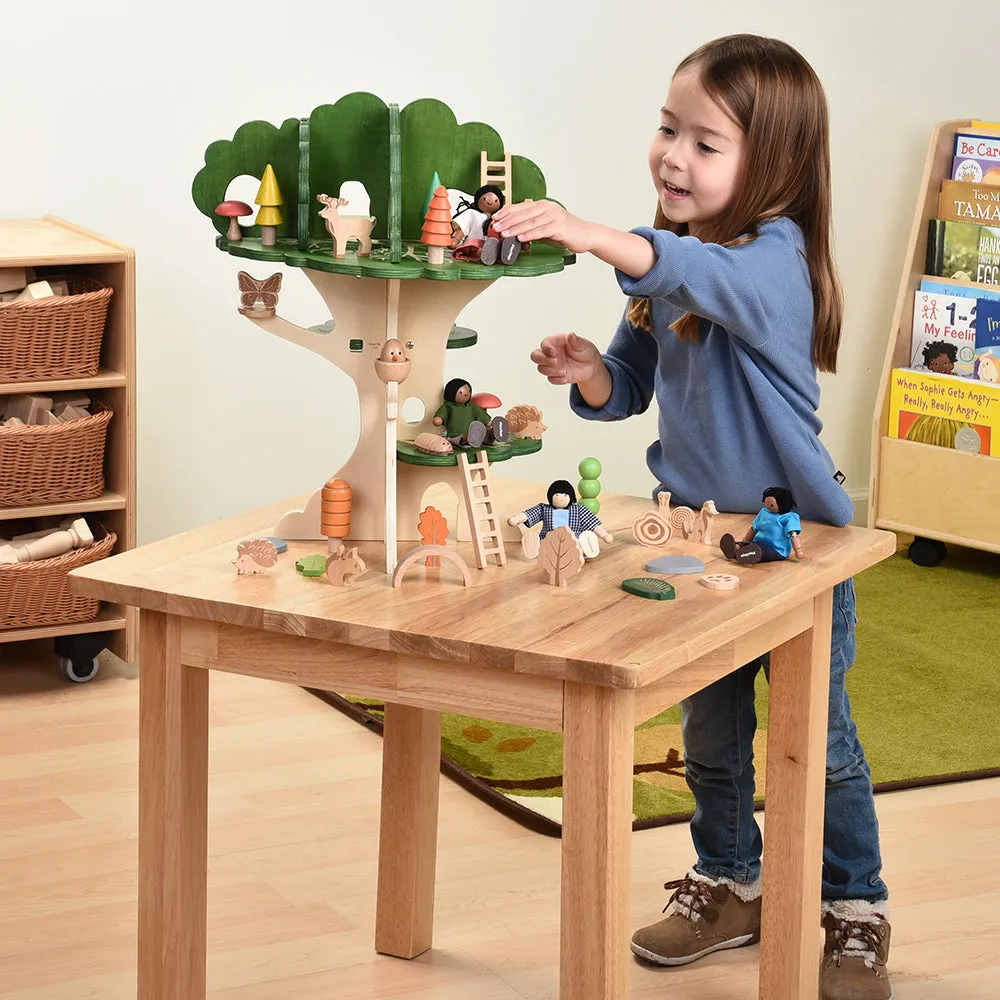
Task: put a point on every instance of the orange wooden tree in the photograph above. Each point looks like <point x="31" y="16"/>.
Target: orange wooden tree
<point x="436" y="230"/>
<point x="433" y="528"/>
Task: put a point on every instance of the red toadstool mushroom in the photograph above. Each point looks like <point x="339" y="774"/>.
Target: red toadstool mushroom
<point x="486" y="400"/>
<point x="232" y="210"/>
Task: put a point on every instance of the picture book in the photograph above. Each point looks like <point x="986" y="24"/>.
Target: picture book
<point x="964" y="250"/>
<point x="960" y="202"/>
<point x="977" y="144"/>
<point x="976" y="159"/>
<point x="986" y="364"/>
<point x="945" y="411"/>
<point x="944" y="333"/>
<point x="948" y="286"/>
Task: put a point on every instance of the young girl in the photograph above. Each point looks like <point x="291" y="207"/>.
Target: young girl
<point x="734" y="304"/>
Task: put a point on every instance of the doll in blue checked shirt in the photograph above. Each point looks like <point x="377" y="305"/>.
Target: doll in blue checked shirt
<point x="562" y="510"/>
<point x="772" y="536"/>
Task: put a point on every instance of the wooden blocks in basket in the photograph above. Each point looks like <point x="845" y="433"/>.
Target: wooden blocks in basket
<point x="34" y="593"/>
<point x="52" y="336"/>
<point x="52" y="462"/>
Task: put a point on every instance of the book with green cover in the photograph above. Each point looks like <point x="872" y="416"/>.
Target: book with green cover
<point x="964" y="251"/>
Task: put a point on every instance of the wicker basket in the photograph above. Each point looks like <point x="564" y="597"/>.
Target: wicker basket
<point x="57" y="337"/>
<point x="34" y="593"/>
<point x="54" y="463"/>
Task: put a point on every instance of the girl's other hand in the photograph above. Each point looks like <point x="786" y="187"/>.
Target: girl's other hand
<point x="566" y="359"/>
<point x="544" y="220"/>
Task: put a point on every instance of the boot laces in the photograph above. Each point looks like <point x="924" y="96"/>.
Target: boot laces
<point x="690" y="897"/>
<point x="855" y="939"/>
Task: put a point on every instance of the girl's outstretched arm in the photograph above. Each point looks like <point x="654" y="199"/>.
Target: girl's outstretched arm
<point x="545" y="220"/>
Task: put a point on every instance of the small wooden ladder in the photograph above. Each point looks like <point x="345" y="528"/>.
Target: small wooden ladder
<point x="496" y="172"/>
<point x="479" y="504"/>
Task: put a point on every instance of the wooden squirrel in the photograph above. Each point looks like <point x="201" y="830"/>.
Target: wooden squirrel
<point x="691" y="523"/>
<point x="344" y="567"/>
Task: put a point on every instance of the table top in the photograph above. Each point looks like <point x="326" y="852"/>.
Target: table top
<point x="510" y="618"/>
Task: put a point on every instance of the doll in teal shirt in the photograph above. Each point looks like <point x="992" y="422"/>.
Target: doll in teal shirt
<point x="772" y="536"/>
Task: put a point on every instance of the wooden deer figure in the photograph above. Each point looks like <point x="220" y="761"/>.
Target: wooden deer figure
<point x="344" y="567"/>
<point x="699" y="524"/>
<point x="343" y="229"/>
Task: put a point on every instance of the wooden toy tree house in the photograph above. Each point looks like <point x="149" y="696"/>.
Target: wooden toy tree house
<point x="404" y="296"/>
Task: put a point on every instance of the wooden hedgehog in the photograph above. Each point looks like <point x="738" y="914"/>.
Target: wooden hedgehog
<point x="254" y="556"/>
<point x="526" y="421"/>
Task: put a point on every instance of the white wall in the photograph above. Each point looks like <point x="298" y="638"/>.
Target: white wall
<point x="108" y="107"/>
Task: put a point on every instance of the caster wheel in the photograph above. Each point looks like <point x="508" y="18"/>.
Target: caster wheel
<point x="927" y="551"/>
<point x="79" y="673"/>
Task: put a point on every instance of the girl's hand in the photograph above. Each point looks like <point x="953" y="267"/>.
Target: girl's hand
<point x="566" y="359"/>
<point x="544" y="220"/>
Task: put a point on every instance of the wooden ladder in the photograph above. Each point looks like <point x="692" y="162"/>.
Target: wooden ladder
<point x="496" y="172"/>
<point x="479" y="504"/>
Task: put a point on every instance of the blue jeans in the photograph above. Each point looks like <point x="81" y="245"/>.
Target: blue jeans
<point x="718" y="726"/>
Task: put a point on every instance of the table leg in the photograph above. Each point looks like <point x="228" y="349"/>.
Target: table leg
<point x="598" y="733"/>
<point x="407" y="851"/>
<point x="793" y="838"/>
<point x="173" y="815"/>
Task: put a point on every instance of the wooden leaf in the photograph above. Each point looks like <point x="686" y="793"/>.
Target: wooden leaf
<point x="560" y="556"/>
<point x="433" y="527"/>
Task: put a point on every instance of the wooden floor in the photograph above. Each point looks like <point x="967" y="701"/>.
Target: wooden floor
<point x="292" y="844"/>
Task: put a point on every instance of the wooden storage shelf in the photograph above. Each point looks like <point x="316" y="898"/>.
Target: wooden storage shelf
<point x="108" y="500"/>
<point x="921" y="489"/>
<point x="55" y="244"/>
<point x="916" y="482"/>
<point x="111" y="618"/>
<point x="104" y="379"/>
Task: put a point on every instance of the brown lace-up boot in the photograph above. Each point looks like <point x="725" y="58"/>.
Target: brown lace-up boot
<point x="855" y="953"/>
<point x="707" y="916"/>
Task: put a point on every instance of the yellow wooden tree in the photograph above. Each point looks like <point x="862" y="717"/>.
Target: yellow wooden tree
<point x="269" y="198"/>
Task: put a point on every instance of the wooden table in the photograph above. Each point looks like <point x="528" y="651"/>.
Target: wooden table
<point x="589" y="660"/>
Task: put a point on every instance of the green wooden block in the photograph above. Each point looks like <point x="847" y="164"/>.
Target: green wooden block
<point x="319" y="257"/>
<point x="349" y="141"/>
<point x="515" y="447"/>
<point x="311" y="565"/>
<point x="649" y="587"/>
<point x="395" y="187"/>
<point x="461" y="336"/>
<point x="592" y="504"/>
<point x="252" y="147"/>
<point x="303" y="207"/>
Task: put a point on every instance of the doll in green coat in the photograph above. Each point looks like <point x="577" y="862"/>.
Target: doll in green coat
<point x="466" y="424"/>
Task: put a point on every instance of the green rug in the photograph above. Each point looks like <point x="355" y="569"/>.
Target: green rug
<point x="924" y="692"/>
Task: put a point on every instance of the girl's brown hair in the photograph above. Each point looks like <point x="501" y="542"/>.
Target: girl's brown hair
<point x="775" y="97"/>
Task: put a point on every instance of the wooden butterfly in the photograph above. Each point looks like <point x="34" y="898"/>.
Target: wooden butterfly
<point x="258" y="296"/>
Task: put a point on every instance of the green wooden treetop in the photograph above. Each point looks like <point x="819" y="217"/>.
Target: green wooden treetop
<point x="351" y="140"/>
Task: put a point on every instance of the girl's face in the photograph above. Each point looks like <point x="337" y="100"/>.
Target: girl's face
<point x="696" y="156"/>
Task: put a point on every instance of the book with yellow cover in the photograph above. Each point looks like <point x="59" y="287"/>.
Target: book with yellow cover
<point x="945" y="410"/>
<point x="960" y="202"/>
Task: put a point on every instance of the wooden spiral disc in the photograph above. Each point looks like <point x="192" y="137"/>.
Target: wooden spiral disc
<point x="651" y="529"/>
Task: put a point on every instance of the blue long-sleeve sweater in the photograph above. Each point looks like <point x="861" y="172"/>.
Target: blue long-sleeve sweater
<point x="737" y="408"/>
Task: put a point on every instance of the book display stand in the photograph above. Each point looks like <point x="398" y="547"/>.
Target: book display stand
<point x="938" y="494"/>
